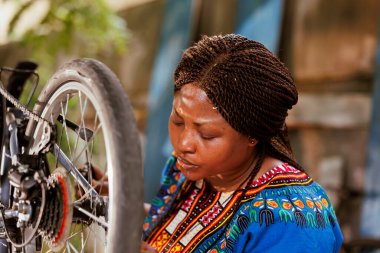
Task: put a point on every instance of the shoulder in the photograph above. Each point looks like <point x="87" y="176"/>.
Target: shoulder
<point x="298" y="204"/>
<point x="289" y="196"/>
<point x="277" y="178"/>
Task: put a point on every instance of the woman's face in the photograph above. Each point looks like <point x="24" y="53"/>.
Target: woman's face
<point x="206" y="145"/>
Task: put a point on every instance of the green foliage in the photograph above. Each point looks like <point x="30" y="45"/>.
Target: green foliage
<point x="67" y="29"/>
<point x="80" y="28"/>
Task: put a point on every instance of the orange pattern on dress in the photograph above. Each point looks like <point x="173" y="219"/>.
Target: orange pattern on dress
<point x="161" y="240"/>
<point x="178" y="248"/>
<point x="310" y="203"/>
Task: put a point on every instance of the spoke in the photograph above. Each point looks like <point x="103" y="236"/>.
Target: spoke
<point x="82" y="110"/>
<point x="102" y="180"/>
<point x="73" y="152"/>
<point x="90" y="191"/>
<point x="87" y="232"/>
<point x="74" y="234"/>
<point x="71" y="247"/>
<point x="96" y="234"/>
<point x="76" y="144"/>
<point x="64" y="112"/>
<point x="92" y="149"/>
<point x="43" y="246"/>
<point x="87" y="193"/>
<point x="83" y="125"/>
<point x="85" y="241"/>
<point x="86" y="145"/>
<point x="67" y="247"/>
<point x="81" y="239"/>
<point x="95" y="218"/>
<point x="93" y="139"/>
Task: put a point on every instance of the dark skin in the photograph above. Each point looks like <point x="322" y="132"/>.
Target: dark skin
<point x="207" y="147"/>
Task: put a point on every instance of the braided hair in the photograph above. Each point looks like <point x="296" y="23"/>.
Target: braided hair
<point x="250" y="87"/>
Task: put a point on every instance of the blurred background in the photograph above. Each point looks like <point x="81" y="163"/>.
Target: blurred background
<point x="330" y="47"/>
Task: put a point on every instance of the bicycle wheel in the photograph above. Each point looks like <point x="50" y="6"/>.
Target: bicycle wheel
<point x="94" y="125"/>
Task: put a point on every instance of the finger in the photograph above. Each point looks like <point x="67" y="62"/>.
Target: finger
<point x="98" y="174"/>
<point x="100" y="187"/>
<point x="147" y="207"/>
<point x="146" y="248"/>
<point x="78" y="191"/>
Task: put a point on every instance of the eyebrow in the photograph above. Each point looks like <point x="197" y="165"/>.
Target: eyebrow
<point x="198" y="124"/>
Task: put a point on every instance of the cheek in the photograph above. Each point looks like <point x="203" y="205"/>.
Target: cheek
<point x="224" y="152"/>
<point x="174" y="133"/>
<point x="215" y="151"/>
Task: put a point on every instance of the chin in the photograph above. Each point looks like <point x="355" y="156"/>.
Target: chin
<point x="192" y="175"/>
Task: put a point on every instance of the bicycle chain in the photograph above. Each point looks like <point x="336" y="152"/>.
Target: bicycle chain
<point x="16" y="103"/>
<point x="47" y="126"/>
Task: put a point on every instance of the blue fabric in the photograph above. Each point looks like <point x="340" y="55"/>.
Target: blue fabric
<point x="284" y="210"/>
<point x="284" y="232"/>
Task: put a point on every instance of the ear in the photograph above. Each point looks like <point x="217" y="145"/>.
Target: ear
<point x="252" y="142"/>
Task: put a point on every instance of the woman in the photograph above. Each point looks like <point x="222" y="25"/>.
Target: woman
<point x="232" y="184"/>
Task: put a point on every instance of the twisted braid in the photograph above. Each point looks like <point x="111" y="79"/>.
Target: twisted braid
<point x="251" y="88"/>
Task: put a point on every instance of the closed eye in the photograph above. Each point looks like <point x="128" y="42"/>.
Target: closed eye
<point x="207" y="138"/>
<point x="177" y="123"/>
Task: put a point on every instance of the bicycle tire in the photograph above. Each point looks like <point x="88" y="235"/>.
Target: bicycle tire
<point x="124" y="159"/>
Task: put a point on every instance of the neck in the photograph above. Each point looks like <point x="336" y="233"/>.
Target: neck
<point x="234" y="180"/>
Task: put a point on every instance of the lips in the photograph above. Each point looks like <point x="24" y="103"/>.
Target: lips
<point x="184" y="164"/>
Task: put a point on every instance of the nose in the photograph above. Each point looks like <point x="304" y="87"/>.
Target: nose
<point x="186" y="142"/>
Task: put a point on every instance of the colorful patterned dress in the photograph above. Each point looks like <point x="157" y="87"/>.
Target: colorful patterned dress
<point x="282" y="211"/>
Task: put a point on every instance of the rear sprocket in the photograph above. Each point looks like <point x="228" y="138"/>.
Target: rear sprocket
<point x="58" y="213"/>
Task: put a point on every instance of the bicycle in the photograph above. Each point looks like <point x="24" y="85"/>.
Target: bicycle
<point x="52" y="198"/>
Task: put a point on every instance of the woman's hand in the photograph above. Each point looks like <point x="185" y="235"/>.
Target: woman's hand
<point x="147" y="208"/>
<point x="146" y="248"/>
<point x="99" y="180"/>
